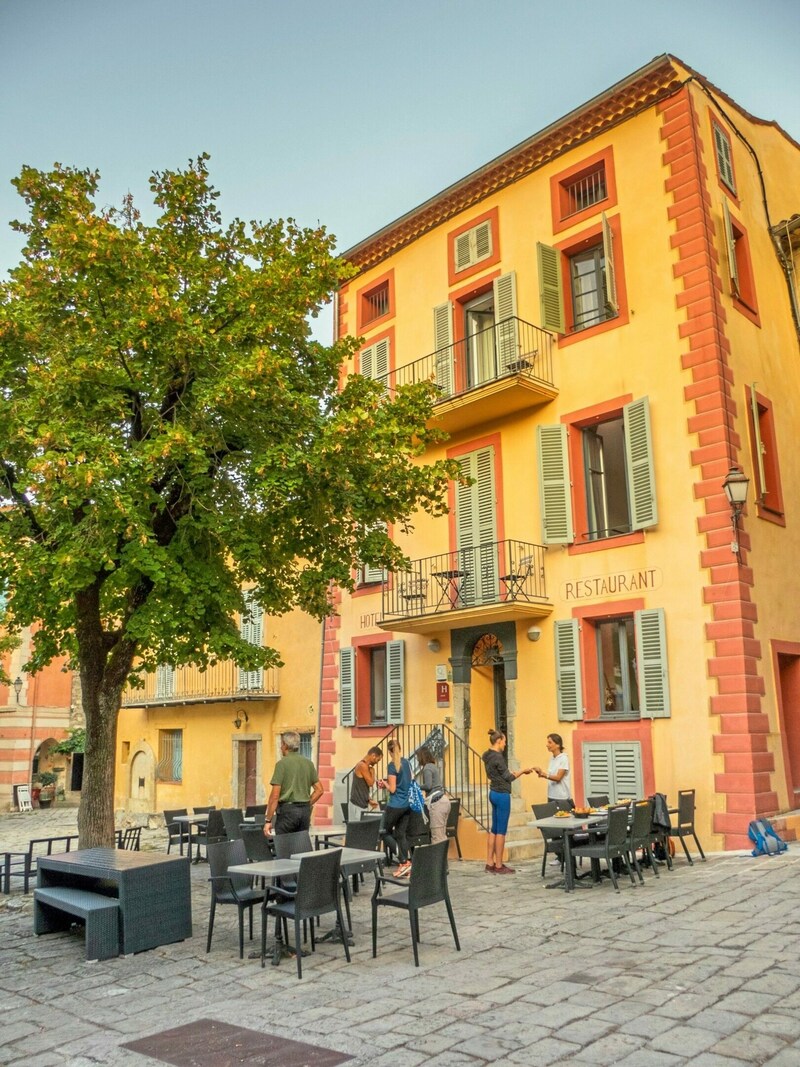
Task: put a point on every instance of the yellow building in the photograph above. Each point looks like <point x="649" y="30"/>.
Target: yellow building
<point x="610" y="313"/>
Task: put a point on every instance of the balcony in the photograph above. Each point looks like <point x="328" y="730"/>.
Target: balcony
<point x="496" y="582"/>
<point x="505" y="368"/>
<point x="222" y="683"/>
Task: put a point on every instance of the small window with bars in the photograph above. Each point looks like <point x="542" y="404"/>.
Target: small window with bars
<point x="375" y="303"/>
<point x="584" y="191"/>
<point x="170" y="756"/>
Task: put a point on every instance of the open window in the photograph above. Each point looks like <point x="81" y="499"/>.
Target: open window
<point x="740" y="269"/>
<point x="764" y="449"/>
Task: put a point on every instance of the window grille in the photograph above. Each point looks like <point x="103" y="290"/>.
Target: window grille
<point x="170" y="756"/>
<point x="585" y="192"/>
<point x="376" y="303"/>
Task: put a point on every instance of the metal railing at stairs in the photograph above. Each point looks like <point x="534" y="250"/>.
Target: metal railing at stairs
<point x="463" y="773"/>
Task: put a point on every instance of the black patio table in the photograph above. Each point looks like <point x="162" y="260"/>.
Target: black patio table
<point x="570" y="825"/>
<point x="154" y="891"/>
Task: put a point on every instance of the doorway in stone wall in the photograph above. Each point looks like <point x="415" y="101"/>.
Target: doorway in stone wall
<point x="787" y="659"/>
<point x="484" y="663"/>
<point x="246" y="773"/>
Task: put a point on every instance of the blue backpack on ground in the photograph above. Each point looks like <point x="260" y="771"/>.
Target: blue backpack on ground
<point x="765" y="838"/>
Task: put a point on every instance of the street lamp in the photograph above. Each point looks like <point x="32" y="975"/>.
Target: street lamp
<point x="237" y="722"/>
<point x="736" y="485"/>
<point x="17" y="683"/>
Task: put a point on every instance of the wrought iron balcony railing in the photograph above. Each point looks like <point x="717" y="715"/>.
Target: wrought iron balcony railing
<point x="497" y="572"/>
<point x="224" y="681"/>
<point x="510" y="347"/>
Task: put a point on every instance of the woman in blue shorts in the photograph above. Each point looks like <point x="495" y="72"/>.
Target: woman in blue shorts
<point x="500" y="779"/>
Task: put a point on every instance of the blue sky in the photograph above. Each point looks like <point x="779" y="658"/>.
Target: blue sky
<point x="344" y="113"/>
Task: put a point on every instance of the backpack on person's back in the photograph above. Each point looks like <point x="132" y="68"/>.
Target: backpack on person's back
<point x="765" y="838"/>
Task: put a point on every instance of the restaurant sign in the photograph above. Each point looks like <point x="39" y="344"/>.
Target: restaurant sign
<point x="623" y="583"/>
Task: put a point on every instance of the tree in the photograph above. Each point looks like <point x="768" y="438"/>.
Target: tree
<point x="170" y="434"/>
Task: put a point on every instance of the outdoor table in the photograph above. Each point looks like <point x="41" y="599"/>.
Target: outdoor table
<point x="154" y="891"/>
<point x="323" y="834"/>
<point x="450" y="586"/>
<point x="190" y="821"/>
<point x="570" y="826"/>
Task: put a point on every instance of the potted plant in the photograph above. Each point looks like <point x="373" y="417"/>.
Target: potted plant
<point x="46" y="781"/>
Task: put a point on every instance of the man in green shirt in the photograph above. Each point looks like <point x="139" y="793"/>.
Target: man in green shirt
<point x="295" y="789"/>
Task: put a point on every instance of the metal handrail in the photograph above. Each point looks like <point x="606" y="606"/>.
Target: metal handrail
<point x="463" y="772"/>
<point x="497" y="572"/>
<point x="224" y="681"/>
<point x="507" y="348"/>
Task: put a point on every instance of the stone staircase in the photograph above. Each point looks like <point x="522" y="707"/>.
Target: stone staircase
<point x="523" y="842"/>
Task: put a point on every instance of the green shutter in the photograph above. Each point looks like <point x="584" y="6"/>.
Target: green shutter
<point x="476" y="527"/>
<point x="724" y="160"/>
<point x="611" y="273"/>
<point x="554" y="487"/>
<point x="598" y="771"/>
<point x="347" y="687"/>
<point x="395" y="682"/>
<point x="613" y="768"/>
<point x="730" y="248"/>
<point x="506" y="323"/>
<point x="165" y="681"/>
<point x="551" y="297"/>
<point x="443" y="347"/>
<point x="639" y="464"/>
<point x="568" y="670"/>
<point x="651" y="661"/>
<point x="251" y="629"/>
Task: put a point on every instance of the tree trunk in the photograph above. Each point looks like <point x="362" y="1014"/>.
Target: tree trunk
<point x="96" y="811"/>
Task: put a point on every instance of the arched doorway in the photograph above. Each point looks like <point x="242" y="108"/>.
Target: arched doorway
<point x="484" y="662"/>
<point x="142" y="780"/>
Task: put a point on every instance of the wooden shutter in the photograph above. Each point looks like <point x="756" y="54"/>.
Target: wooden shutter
<point x="506" y="322"/>
<point x="611" y="273"/>
<point x="443" y="347"/>
<point x="639" y="464"/>
<point x="758" y="444"/>
<point x="482" y="241"/>
<point x="730" y="248"/>
<point x="462" y="251"/>
<point x="370" y="574"/>
<point x="395" y="682"/>
<point x="724" y="159"/>
<point x="651" y="660"/>
<point x="165" y="681"/>
<point x="251" y="629"/>
<point x="568" y="670"/>
<point x="347" y="687"/>
<point x="551" y="296"/>
<point x="626" y="770"/>
<point x="598" y="771"/>
<point x="374" y="360"/>
<point x="473" y="245"/>
<point x="554" y="486"/>
<point x="476" y="527"/>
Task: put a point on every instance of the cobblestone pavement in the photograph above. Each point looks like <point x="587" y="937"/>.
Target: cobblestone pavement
<point x="700" y="967"/>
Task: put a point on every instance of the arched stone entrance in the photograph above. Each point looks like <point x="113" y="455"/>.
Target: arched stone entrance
<point x="142" y="780"/>
<point x="484" y="663"/>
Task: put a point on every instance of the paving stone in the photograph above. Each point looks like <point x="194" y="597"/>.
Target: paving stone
<point x="750" y="1046"/>
<point x="684" y="1041"/>
<point x="719" y="1021"/>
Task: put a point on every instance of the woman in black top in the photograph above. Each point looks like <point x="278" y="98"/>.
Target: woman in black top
<point x="500" y="779"/>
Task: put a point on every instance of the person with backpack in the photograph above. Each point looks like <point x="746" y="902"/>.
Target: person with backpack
<point x="436" y="799"/>
<point x="397" y="811"/>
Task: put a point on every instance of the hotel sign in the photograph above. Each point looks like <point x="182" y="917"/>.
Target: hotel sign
<point x="623" y="583"/>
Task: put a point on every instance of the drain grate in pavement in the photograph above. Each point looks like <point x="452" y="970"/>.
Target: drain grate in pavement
<point x="209" y="1043"/>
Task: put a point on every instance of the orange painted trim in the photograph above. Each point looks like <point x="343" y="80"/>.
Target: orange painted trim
<point x="362" y="675"/>
<point x="363" y="306"/>
<point x="588" y="615"/>
<point x="576" y="421"/>
<point x="559" y="206"/>
<point x="493" y="440"/>
<point x="640" y="731"/>
<point x="747" y="304"/>
<point x="581" y="242"/>
<point x="458" y="299"/>
<point x="785" y="648"/>
<point x="469" y="292"/>
<point x="373" y="340"/>
<point x="771" y="514"/>
<point x="715" y="120"/>
<point x="453" y="276"/>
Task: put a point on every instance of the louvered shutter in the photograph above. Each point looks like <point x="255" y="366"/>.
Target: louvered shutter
<point x="651" y="661"/>
<point x="366" y="361"/>
<point x="639" y="464"/>
<point x="724" y="160"/>
<point x="626" y="770"/>
<point x="165" y="681"/>
<point x="763" y="488"/>
<point x="395" y="682"/>
<point x="251" y="629"/>
<point x="443" y="347"/>
<point x="374" y="360"/>
<point x="482" y="241"/>
<point x="463" y="252"/>
<point x="347" y="687"/>
<point x="598" y="773"/>
<point x="374" y="574"/>
<point x="611" y="274"/>
<point x="472" y="246"/>
<point x="505" y="317"/>
<point x="568" y="670"/>
<point x="476" y="527"/>
<point x="551" y="296"/>
<point x="730" y="248"/>
<point x="554" y="487"/>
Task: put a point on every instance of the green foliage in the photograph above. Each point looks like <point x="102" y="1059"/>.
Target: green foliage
<point x="45" y="778"/>
<point x="75" y="742"/>
<point x="169" y="432"/>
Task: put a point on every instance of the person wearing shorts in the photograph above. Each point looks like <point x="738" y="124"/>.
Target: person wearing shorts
<point x="500" y="779"/>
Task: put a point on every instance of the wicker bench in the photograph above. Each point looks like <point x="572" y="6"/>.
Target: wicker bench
<point x="54" y="906"/>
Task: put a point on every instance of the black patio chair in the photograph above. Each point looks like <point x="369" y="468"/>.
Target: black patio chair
<point x="253" y="811"/>
<point x="639" y="838"/>
<point x="257" y="845"/>
<point x="204" y="810"/>
<point x="553" y="839"/>
<point x="452" y="823"/>
<point x="232" y="819"/>
<point x="316" y="893"/>
<point x="597" y="800"/>
<point x="685" y="821"/>
<point x="129" y="838"/>
<point x="236" y="889"/>
<point x="614" y="845"/>
<point x="176" y="833"/>
<point x="211" y="833"/>
<point x="345" y="810"/>
<point x="426" y="885"/>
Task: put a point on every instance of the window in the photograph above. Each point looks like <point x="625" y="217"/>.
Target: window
<point x="724" y="154"/>
<point x="618" y="661"/>
<point x="373" y="360"/>
<point x="251" y="629"/>
<point x="612" y="489"/>
<point x="375" y="302"/>
<point x="368" y="574"/>
<point x="578" y="192"/>
<point x="473" y="247"/>
<point x="613" y="768"/>
<point x="170" y="756"/>
<point x="581" y="283"/>
<point x="764" y="449"/>
<point x="306" y="745"/>
<point x="165" y="681"/>
<point x="371" y="683"/>
<point x="740" y="269"/>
